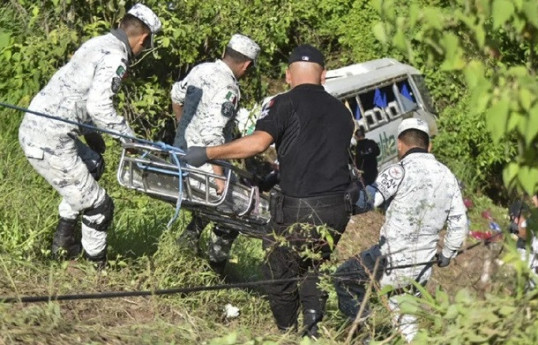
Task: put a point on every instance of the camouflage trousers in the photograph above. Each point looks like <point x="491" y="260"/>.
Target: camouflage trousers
<point x="220" y="240"/>
<point x="352" y="278"/>
<point x="70" y="169"/>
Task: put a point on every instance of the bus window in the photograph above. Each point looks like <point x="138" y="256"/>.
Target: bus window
<point x="407" y="98"/>
<point x="379" y="97"/>
<point x="424" y="93"/>
<point x="351" y="104"/>
<point x="379" y="105"/>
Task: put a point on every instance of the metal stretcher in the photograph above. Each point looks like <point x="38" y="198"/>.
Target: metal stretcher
<point x="158" y="172"/>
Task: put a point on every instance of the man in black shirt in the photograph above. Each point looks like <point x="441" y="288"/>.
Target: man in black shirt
<point x="366" y="153"/>
<point x="312" y="131"/>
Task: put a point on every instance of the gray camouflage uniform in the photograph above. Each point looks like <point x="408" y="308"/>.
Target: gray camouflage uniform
<point x="81" y="91"/>
<point x="423" y="195"/>
<point x="209" y="95"/>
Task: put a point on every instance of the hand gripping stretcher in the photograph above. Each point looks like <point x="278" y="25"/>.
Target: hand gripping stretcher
<point x="159" y="172"/>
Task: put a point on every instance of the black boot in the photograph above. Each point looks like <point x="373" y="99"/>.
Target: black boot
<point x="311" y="318"/>
<point x="188" y="240"/>
<point x="218" y="267"/>
<point x="64" y="244"/>
<point x="99" y="260"/>
<point x="283" y="329"/>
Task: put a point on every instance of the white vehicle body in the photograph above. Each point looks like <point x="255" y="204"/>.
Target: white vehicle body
<point x="379" y="94"/>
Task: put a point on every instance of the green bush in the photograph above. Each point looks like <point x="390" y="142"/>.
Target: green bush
<point x="466" y="145"/>
<point x="490" y="45"/>
<point x="505" y="316"/>
<point x="487" y="100"/>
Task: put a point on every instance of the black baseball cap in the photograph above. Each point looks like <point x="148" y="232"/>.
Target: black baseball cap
<point x="306" y="53"/>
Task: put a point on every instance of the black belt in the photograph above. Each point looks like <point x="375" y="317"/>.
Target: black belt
<point x="314" y="201"/>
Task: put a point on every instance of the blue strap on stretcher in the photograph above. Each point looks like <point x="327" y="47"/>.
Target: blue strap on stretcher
<point x="172" y="150"/>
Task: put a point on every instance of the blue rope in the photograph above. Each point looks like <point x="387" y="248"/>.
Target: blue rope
<point x="172" y="150"/>
<point x="147" y="167"/>
<point x="83" y="125"/>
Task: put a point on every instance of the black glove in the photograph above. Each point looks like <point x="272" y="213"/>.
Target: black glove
<point x="269" y="181"/>
<point x="195" y="156"/>
<point x="95" y="142"/>
<point x="442" y="261"/>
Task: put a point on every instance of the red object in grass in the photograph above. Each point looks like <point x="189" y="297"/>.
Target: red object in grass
<point x="468" y="203"/>
<point x="486" y="214"/>
<point x="481" y="235"/>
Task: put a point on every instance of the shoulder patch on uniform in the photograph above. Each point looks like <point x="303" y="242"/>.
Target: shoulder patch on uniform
<point x="396" y="171"/>
<point x="388" y="181"/>
<point x="116" y="83"/>
<point x="228" y="109"/>
<point x="120" y="71"/>
<point x="266" y="107"/>
<point x="231" y="97"/>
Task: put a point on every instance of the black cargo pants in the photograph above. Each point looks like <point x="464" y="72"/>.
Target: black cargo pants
<point x="299" y="221"/>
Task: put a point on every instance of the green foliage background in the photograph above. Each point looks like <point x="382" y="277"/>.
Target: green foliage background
<point x="488" y="48"/>
<point x="479" y="58"/>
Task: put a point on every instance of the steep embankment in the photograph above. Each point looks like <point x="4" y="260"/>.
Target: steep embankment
<point x="472" y="268"/>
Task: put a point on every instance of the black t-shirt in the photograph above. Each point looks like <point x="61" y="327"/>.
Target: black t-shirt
<point x="312" y="131"/>
<point x="366" y="154"/>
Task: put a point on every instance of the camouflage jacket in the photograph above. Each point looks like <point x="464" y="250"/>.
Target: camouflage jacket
<point x="422" y="196"/>
<point x="209" y="95"/>
<point x="81" y="91"/>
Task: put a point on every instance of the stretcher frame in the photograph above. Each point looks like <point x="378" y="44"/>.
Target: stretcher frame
<point x="159" y="173"/>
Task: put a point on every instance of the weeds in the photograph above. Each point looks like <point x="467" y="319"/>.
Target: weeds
<point x="144" y="254"/>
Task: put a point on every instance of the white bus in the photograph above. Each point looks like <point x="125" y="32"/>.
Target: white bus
<point x="379" y="94"/>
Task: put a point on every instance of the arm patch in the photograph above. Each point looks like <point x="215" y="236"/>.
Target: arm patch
<point x="266" y="107"/>
<point x="228" y="109"/>
<point x="389" y="180"/>
<point x="116" y="83"/>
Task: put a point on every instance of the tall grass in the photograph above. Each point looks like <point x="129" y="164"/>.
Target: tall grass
<point x="145" y="256"/>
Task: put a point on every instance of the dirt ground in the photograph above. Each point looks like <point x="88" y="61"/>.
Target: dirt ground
<point x="473" y="268"/>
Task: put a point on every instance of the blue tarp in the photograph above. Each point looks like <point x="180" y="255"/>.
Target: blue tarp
<point x="380" y="99"/>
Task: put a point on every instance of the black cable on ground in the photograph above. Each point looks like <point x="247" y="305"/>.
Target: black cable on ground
<point x="185" y="290"/>
<point x="115" y="294"/>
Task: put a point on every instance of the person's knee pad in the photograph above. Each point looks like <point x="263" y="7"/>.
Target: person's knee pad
<point x="99" y="217"/>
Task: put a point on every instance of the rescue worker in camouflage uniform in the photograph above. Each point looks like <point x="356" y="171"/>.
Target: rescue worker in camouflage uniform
<point x="205" y="103"/>
<point x="82" y="91"/>
<point x="421" y="195"/>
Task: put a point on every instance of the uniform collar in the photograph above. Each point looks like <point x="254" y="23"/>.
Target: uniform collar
<point x="308" y="87"/>
<point x="225" y="67"/>
<point x="122" y="36"/>
<point x="414" y="150"/>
